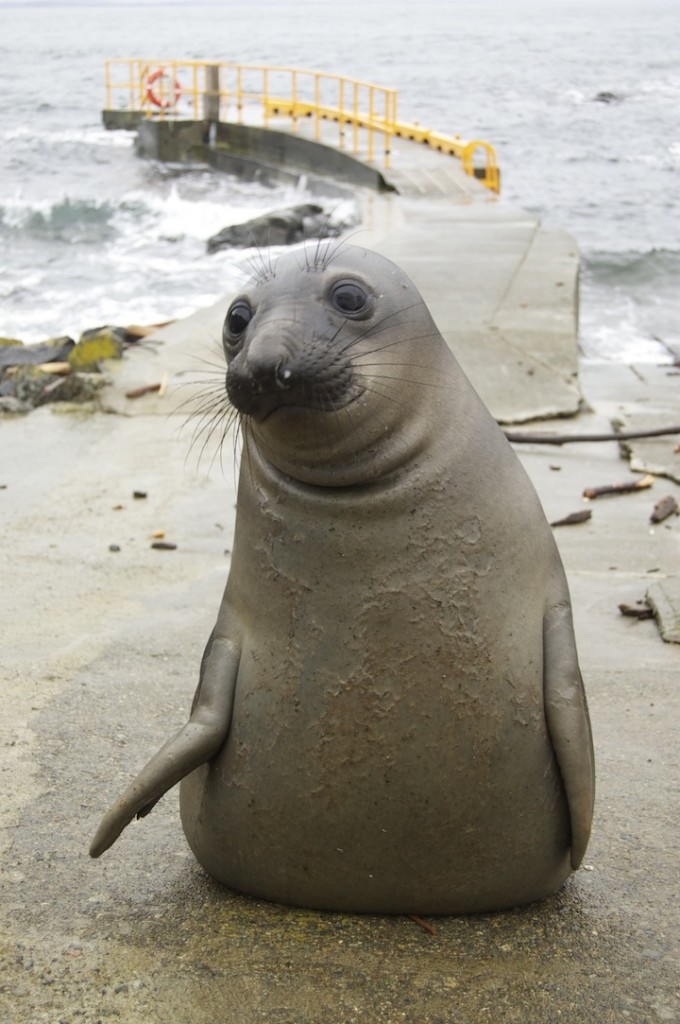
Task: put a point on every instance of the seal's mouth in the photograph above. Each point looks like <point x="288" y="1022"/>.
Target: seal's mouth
<point x="327" y="407"/>
<point x="260" y="394"/>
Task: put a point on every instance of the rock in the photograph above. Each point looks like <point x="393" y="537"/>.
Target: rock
<point x="27" y="384"/>
<point x="55" y="350"/>
<point x="606" y="97"/>
<point x="664" y="508"/>
<point x="11" y="406"/>
<point x="96" y="345"/>
<point x="78" y="388"/>
<point x="32" y="386"/>
<point x="281" y="227"/>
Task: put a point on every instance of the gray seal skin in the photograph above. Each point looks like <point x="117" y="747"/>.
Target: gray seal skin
<point x="390" y="715"/>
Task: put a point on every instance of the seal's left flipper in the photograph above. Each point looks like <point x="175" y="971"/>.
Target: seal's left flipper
<point x="196" y="743"/>
<point x="566" y="713"/>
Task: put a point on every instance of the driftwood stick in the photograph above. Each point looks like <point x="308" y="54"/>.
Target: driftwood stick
<point x="145" y="389"/>
<point x="628" y="487"/>
<point x="641" y="610"/>
<point x="574" y="518"/>
<point x="624" y="435"/>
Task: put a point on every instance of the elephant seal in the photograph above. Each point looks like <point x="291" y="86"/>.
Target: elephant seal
<point x="390" y="715"/>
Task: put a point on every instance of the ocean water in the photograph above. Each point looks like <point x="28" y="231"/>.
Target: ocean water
<point x="90" y="234"/>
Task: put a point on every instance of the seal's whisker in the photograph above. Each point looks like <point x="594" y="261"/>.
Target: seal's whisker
<point x="237" y="439"/>
<point x="323" y="237"/>
<point x="248" y="439"/>
<point x="208" y="429"/>
<point x="231" y="424"/>
<point x="196" y="404"/>
<point x="399" y="341"/>
<point x="400" y="380"/>
<point x="208" y="407"/>
<point x="212" y="382"/>
<point x="397" y="364"/>
<point x="272" y="264"/>
<point x="377" y="328"/>
<point x="372" y="390"/>
<point x="219" y="356"/>
<point x="262" y="268"/>
<point x="203" y="405"/>
<point x="195" y="414"/>
<point x="228" y="424"/>
<point x="335" y="247"/>
<point x="210" y="378"/>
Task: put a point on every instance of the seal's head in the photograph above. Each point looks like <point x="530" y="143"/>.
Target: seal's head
<point x="323" y="353"/>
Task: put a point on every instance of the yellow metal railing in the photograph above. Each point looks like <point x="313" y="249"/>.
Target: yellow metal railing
<point x="365" y="113"/>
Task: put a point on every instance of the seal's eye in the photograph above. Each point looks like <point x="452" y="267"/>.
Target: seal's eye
<point x="238" y="318"/>
<point x="349" y="298"/>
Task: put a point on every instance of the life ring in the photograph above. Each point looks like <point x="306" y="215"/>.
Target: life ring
<point x="161" y="101"/>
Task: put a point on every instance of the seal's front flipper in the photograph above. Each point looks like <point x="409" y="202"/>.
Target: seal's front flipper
<point x="196" y="743"/>
<point x="566" y="713"/>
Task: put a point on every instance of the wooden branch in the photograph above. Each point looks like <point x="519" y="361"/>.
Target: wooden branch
<point x="624" y="435"/>
<point x="628" y="487"/>
<point x="574" y="517"/>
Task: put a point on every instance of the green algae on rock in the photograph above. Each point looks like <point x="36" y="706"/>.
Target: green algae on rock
<point x="96" y="345"/>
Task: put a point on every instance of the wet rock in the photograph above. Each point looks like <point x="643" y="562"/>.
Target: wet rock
<point x="32" y="386"/>
<point x="281" y="227"/>
<point x="11" y="406"/>
<point x="95" y="346"/>
<point x="26" y="384"/>
<point x="54" y="350"/>
<point x="77" y="388"/>
<point x="606" y="97"/>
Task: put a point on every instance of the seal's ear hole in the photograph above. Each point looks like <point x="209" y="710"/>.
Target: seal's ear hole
<point x="349" y="298"/>
<point x="238" y="317"/>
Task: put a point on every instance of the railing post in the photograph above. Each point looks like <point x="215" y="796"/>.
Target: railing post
<point x="388" y="130"/>
<point x="239" y="95"/>
<point x="371" y="112"/>
<point x="142" y="73"/>
<point x="317" y="104"/>
<point x="341" y="108"/>
<point x="355" y="115"/>
<point x="265" y="96"/>
<point x="294" y="99"/>
<point x="211" y="95"/>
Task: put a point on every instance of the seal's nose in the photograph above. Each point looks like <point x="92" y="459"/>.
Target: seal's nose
<point x="266" y="375"/>
<point x="258" y="381"/>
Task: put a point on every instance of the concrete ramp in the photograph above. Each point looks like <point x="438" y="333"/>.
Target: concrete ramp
<point x="502" y="287"/>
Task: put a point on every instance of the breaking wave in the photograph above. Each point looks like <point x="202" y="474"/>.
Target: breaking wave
<point x="633" y="268"/>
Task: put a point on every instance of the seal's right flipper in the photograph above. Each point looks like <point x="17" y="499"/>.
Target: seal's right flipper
<point x="566" y="711"/>
<point x="196" y="743"/>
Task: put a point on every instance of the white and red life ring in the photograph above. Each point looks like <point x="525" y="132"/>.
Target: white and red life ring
<point x="163" y="98"/>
